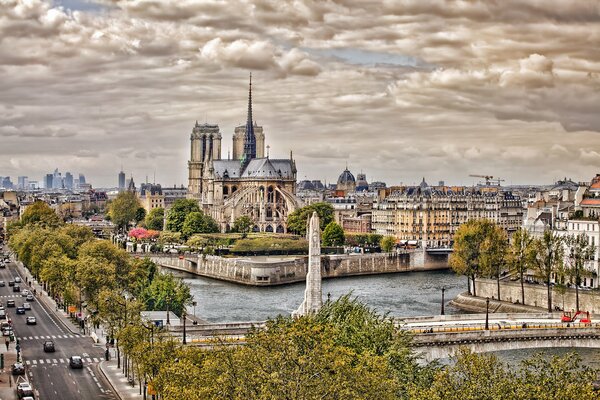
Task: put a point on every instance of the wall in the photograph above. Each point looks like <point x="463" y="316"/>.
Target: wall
<point x="536" y="295"/>
<point x="283" y="271"/>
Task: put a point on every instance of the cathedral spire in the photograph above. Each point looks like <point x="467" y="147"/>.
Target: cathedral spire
<point x="249" y="137"/>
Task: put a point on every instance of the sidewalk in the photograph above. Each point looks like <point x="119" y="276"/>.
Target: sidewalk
<point x="8" y="385"/>
<point x="109" y="369"/>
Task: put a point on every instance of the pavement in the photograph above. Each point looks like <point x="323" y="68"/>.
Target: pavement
<point x="114" y="375"/>
<point x="7" y="381"/>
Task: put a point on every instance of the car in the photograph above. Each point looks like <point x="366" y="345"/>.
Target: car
<point x="10" y="303"/>
<point x="75" y="362"/>
<point x="24" y="390"/>
<point x="18" y="369"/>
<point x="7" y="331"/>
<point x="20" y="310"/>
<point x="2" y="314"/>
<point x="31" y="320"/>
<point x="11" y="283"/>
<point x="17" y="279"/>
<point x="16" y="288"/>
<point x="2" y="264"/>
<point x="2" y="283"/>
<point x="30" y="297"/>
<point x="27" y="306"/>
<point x="24" y="292"/>
<point x="49" y="346"/>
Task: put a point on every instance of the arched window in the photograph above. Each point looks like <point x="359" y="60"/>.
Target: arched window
<point x="269" y="229"/>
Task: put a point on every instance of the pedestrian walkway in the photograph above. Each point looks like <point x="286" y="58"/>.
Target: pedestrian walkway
<point x="7" y="380"/>
<point x="48" y="337"/>
<point x="119" y="381"/>
<point x="45" y="361"/>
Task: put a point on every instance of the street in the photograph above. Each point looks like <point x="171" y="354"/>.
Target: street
<point x="50" y="373"/>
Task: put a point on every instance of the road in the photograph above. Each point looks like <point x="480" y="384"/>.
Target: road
<point x="49" y="373"/>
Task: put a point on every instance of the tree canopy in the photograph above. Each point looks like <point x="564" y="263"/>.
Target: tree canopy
<point x="123" y="210"/>
<point x="242" y="224"/>
<point x="198" y="222"/>
<point x="155" y="219"/>
<point x="333" y="235"/>
<point x="40" y="213"/>
<point x="178" y="212"/>
<point x="298" y="219"/>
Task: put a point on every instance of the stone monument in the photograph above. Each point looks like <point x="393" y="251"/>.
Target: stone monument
<point x="313" y="297"/>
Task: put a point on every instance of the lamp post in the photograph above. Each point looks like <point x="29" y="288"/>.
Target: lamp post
<point x="184" y="337"/>
<point x="194" y="304"/>
<point x="443" y="290"/>
<point x="487" y="312"/>
<point x="168" y="303"/>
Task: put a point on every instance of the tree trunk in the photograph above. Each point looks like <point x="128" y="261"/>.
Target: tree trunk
<point x="576" y="296"/>
<point x="469" y="285"/>
<point x="474" y="290"/>
<point x="549" y="296"/>
<point x="522" y="290"/>
<point x="498" y="285"/>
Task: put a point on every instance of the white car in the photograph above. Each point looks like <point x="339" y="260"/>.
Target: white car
<point x="18" y="279"/>
<point x="27" y="306"/>
<point x="24" y="292"/>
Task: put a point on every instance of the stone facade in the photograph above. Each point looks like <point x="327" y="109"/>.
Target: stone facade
<point x="313" y="295"/>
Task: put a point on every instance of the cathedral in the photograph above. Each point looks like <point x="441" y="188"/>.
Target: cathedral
<point x="248" y="183"/>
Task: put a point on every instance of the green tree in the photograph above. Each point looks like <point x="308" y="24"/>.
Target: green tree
<point x="333" y="235"/>
<point x="140" y="214"/>
<point x="155" y="219"/>
<point x="123" y="209"/>
<point x="387" y="243"/>
<point x="548" y="259"/>
<point x="243" y="225"/>
<point x="105" y="252"/>
<point x="298" y="219"/>
<point x="178" y="212"/>
<point x="40" y="213"/>
<point x="166" y="291"/>
<point x="168" y="237"/>
<point x="198" y="222"/>
<point x="580" y="251"/>
<point x="520" y="256"/>
<point x="492" y="256"/>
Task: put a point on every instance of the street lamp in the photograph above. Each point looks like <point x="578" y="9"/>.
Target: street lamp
<point x="184" y="336"/>
<point x="168" y="303"/>
<point x="487" y="312"/>
<point x="194" y="304"/>
<point x="443" y="290"/>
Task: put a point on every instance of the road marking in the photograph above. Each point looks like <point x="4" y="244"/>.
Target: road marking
<point x="47" y="361"/>
<point x="54" y="361"/>
<point x="36" y="337"/>
<point x="96" y="359"/>
<point x="85" y="355"/>
<point x="28" y="362"/>
<point x="88" y="360"/>
<point x="30" y="337"/>
<point x="62" y="360"/>
<point x="41" y="361"/>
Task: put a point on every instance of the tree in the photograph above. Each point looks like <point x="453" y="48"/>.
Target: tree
<point x="477" y="250"/>
<point x="387" y="243"/>
<point x="520" y="256"/>
<point x="333" y="235"/>
<point x="243" y="225"/>
<point x="493" y="252"/>
<point x="118" y="260"/>
<point x="580" y="250"/>
<point x="140" y="214"/>
<point x="198" y="222"/>
<point x="548" y="258"/>
<point x="166" y="291"/>
<point x="124" y="209"/>
<point x="155" y="219"/>
<point x="40" y="213"/>
<point x="298" y="219"/>
<point x="178" y="212"/>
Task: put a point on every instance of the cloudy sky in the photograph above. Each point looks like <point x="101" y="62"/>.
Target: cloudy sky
<point x="399" y="89"/>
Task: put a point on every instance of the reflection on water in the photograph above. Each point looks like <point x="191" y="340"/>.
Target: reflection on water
<point x="402" y="294"/>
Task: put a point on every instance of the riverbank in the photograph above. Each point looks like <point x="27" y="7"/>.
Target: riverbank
<point x="472" y="304"/>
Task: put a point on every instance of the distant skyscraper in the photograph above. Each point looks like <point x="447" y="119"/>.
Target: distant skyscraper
<point x="57" y="180"/>
<point x="22" y="182"/>
<point x="121" y="180"/>
<point x="68" y="181"/>
<point x="82" y="179"/>
<point x="48" y="181"/>
<point x="5" y="182"/>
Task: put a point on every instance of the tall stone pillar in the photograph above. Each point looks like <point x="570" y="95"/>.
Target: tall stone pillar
<point x="313" y="296"/>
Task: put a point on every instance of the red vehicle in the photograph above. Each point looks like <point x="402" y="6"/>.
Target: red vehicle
<point x="572" y="316"/>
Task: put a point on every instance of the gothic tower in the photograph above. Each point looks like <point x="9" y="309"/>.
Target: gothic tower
<point x="205" y="145"/>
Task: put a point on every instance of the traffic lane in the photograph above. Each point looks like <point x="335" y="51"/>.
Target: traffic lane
<point x="45" y="322"/>
<point x="59" y="381"/>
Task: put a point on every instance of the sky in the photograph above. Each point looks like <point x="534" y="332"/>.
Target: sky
<point x="397" y="89"/>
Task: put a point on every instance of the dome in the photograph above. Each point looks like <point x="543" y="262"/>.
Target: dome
<point x="346" y="177"/>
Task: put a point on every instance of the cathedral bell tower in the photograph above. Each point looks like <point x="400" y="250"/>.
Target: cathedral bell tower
<point x="205" y="146"/>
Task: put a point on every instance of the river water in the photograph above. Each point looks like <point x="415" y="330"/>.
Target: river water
<point x="402" y="294"/>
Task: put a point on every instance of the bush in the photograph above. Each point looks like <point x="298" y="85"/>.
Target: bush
<point x="270" y="245"/>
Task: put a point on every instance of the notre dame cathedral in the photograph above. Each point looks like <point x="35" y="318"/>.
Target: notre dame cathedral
<point x="249" y="183"/>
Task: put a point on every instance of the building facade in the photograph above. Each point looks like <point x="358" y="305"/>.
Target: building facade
<point x="250" y="184"/>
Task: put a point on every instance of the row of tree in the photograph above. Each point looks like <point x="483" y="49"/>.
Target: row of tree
<point x="482" y="249"/>
<point x="345" y="351"/>
<point x="76" y="267"/>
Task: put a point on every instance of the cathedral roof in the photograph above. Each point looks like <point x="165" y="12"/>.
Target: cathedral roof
<point x="267" y="168"/>
<point x="227" y="168"/>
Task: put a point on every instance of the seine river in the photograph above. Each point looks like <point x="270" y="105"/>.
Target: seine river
<point x="400" y="295"/>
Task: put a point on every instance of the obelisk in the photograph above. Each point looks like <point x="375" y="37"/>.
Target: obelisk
<point x="313" y="296"/>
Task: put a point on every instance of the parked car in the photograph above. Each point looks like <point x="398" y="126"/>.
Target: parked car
<point x="49" y="346"/>
<point x="24" y="390"/>
<point x="18" y="369"/>
<point x="75" y="362"/>
<point x="31" y="320"/>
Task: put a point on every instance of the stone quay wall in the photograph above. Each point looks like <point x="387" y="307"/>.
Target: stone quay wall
<point x="537" y="295"/>
<point x="271" y="273"/>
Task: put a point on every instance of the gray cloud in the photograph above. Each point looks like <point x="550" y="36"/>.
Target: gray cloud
<point x="435" y="88"/>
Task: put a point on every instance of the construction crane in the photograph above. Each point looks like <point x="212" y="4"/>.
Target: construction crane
<point x="488" y="179"/>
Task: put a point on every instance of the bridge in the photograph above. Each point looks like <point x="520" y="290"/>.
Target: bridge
<point x="439" y="337"/>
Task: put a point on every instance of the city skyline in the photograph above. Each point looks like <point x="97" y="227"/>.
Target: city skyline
<point x="435" y="89"/>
